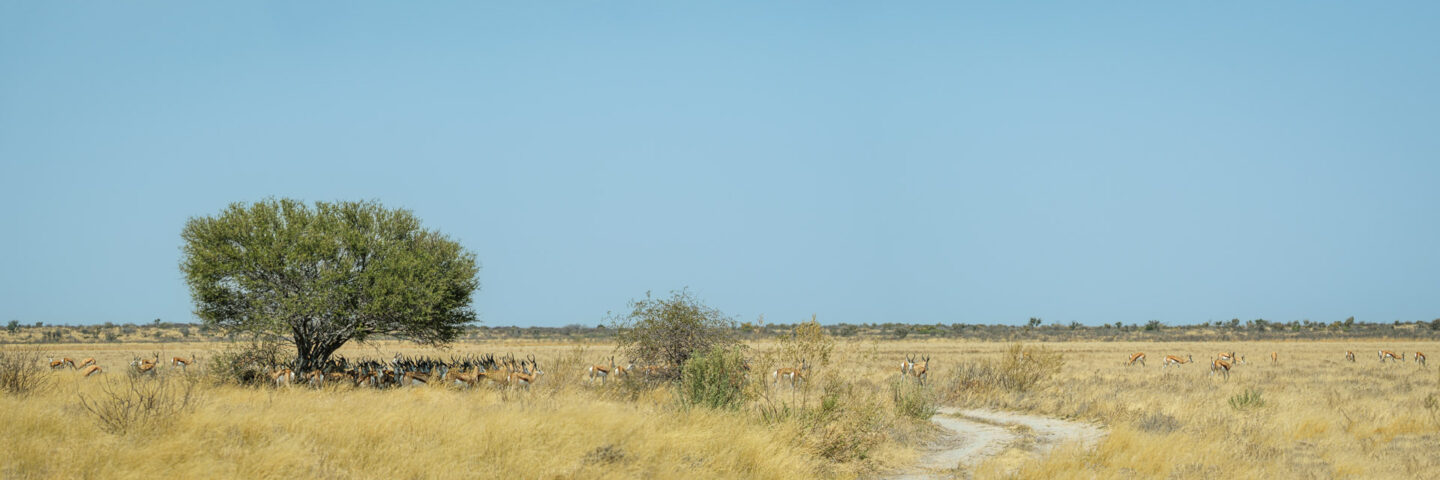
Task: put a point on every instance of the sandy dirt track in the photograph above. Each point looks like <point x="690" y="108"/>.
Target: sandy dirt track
<point x="977" y="434"/>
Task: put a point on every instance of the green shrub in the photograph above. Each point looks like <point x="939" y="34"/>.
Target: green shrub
<point x="1250" y="399"/>
<point x="715" y="379"/>
<point x="668" y="332"/>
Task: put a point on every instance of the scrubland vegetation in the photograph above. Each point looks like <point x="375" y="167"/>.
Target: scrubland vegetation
<point x="1311" y="415"/>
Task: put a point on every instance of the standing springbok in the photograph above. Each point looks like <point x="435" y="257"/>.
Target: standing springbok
<point x="1349" y="355"/>
<point x="793" y="375"/>
<point x="922" y="371"/>
<point x="601" y="371"/>
<point x="88" y="361"/>
<point x="907" y="365"/>
<point x="1420" y="358"/>
<point x="1136" y="357"/>
<point x="1220" y="366"/>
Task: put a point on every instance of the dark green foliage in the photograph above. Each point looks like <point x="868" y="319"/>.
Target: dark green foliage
<point x="320" y="277"/>
<point x="715" y="378"/>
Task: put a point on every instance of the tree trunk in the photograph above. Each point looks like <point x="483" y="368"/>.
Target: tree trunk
<point x="315" y="341"/>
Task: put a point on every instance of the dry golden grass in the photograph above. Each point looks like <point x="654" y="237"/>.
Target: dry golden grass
<point x="1323" y="418"/>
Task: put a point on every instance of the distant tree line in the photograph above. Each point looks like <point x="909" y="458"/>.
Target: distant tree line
<point x="1034" y="329"/>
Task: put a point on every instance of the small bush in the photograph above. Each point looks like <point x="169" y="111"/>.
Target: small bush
<point x="715" y="379"/>
<point x="1250" y="399"/>
<point x="21" y="373"/>
<point x="244" y="364"/>
<point x="668" y="332"/>
<point x="847" y="425"/>
<point x="136" y="403"/>
<point x="912" y="399"/>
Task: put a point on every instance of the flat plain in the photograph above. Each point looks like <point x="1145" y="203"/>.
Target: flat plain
<point x="1311" y="414"/>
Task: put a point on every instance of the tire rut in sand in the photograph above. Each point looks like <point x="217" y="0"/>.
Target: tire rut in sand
<point x="977" y="434"/>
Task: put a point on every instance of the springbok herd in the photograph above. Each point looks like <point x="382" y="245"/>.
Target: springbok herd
<point x="468" y="371"/>
<point x="507" y="371"/>
<point x="1223" y="361"/>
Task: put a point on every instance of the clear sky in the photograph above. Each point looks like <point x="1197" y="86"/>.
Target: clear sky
<point x="863" y="161"/>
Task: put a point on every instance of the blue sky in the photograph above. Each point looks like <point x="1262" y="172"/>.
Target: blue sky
<point x="898" y="162"/>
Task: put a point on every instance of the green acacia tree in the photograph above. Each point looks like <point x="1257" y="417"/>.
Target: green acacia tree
<point x="320" y="277"/>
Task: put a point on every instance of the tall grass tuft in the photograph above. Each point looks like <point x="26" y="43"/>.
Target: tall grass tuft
<point x="912" y="399"/>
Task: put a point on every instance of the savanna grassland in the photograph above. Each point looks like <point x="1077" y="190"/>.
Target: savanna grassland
<point x="1312" y="415"/>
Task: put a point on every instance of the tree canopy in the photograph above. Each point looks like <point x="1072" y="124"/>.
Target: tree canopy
<point x="320" y="277"/>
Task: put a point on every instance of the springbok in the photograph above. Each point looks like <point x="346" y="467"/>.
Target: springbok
<point x="623" y="370"/>
<point x="1349" y="355"/>
<point x="1136" y="357"/>
<point x="525" y="377"/>
<point x="1274" y="358"/>
<point x="922" y="371"/>
<point x="1386" y="354"/>
<point x="145" y="366"/>
<point x="1220" y="366"/>
<point x="1420" y="358"/>
<point x="907" y="365"/>
<point x="56" y="364"/>
<point x="282" y="376"/>
<point x="1176" y="361"/>
<point x="91" y="370"/>
<point x="88" y="361"/>
<point x="181" y="362"/>
<point x="601" y="371"/>
<point x="1231" y="357"/>
<point x="794" y="375"/>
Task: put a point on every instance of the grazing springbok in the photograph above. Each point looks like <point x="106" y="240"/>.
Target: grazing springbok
<point x="1220" y="366"/>
<point x="1231" y="357"/>
<point x="91" y="370"/>
<point x="1136" y="357"/>
<point x="601" y="371"/>
<point x="1386" y="354"/>
<point x="1420" y="358"/>
<point x="793" y="375"/>
<point x="88" y="361"/>
<point x="56" y="364"/>
<point x="1349" y="355"/>
<point x="1176" y="361"/>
